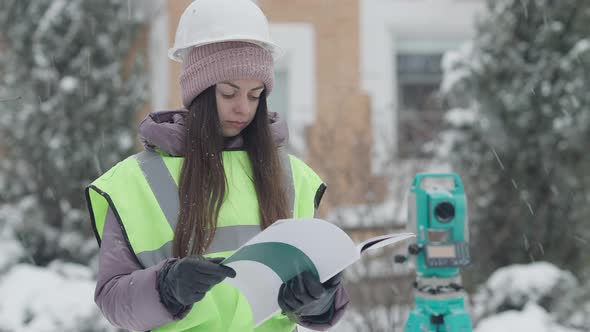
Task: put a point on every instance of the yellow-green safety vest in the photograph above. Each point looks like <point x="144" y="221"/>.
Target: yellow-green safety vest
<point x="142" y="192"/>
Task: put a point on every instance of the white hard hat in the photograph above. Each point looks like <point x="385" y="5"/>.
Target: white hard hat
<point x="212" y="21"/>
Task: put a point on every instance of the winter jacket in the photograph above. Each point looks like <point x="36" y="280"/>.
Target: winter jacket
<point x="126" y="293"/>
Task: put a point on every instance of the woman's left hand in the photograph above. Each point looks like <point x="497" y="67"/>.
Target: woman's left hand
<point x="304" y="297"/>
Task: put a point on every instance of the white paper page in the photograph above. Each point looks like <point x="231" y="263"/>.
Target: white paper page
<point x="327" y="247"/>
<point x="383" y="240"/>
<point x="260" y="283"/>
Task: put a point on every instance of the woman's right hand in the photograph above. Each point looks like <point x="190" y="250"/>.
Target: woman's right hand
<point x="186" y="280"/>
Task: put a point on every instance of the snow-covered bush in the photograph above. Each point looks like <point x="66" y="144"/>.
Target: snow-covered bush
<point x="11" y="249"/>
<point x="70" y="95"/>
<point x="531" y="318"/>
<point x="515" y="286"/>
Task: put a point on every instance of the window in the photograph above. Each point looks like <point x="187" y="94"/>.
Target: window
<point x="278" y="101"/>
<point x="420" y="109"/>
<point x="293" y="95"/>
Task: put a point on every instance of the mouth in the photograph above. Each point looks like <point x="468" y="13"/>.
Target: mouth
<point x="237" y="124"/>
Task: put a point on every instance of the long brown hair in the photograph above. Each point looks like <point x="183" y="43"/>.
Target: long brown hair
<point x="202" y="179"/>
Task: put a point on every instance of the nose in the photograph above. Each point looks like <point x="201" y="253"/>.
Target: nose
<point x="242" y="105"/>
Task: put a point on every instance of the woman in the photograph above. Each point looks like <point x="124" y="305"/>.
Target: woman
<point x="212" y="176"/>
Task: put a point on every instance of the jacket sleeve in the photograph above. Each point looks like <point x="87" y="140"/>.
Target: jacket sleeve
<point x="126" y="294"/>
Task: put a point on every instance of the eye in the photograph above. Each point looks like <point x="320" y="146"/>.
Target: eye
<point x="228" y="96"/>
<point x="254" y="97"/>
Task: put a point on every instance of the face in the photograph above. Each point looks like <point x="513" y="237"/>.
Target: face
<point x="237" y="101"/>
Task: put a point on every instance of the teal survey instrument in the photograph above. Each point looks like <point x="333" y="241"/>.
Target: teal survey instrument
<point x="437" y="213"/>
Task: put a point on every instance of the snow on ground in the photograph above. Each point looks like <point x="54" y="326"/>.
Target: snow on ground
<point x="36" y="299"/>
<point x="533" y="318"/>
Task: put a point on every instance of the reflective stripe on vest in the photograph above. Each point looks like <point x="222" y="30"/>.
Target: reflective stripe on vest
<point x="165" y="190"/>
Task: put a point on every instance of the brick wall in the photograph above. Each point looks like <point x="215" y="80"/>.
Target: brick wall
<point x="339" y="142"/>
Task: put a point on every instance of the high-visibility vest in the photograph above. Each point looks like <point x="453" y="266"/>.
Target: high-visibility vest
<point x="142" y="192"/>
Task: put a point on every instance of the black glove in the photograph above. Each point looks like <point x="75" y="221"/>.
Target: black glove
<point x="305" y="298"/>
<point x="185" y="281"/>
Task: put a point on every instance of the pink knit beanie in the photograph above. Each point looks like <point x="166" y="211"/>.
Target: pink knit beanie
<point x="210" y="64"/>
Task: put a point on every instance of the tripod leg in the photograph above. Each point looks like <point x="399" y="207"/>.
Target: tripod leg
<point x="457" y="320"/>
<point x="418" y="321"/>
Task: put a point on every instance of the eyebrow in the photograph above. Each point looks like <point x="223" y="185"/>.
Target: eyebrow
<point x="238" y="87"/>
